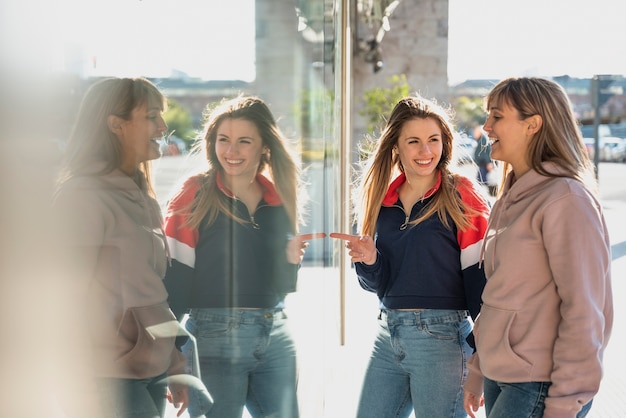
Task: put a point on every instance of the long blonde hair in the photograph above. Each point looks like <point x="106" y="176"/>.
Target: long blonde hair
<point x="559" y="139"/>
<point x="91" y="140"/>
<point x="384" y="164"/>
<point x="279" y="165"/>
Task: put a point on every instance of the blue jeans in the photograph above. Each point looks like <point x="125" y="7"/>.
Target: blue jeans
<point x="247" y="358"/>
<point x="418" y="363"/>
<point x="519" y="400"/>
<point x="133" y="398"/>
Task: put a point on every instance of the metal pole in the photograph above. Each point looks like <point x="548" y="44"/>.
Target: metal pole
<point x="346" y="126"/>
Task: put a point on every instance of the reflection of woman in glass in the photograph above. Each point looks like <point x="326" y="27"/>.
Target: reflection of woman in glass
<point x="235" y="256"/>
<point x="422" y="228"/>
<point x="110" y="227"/>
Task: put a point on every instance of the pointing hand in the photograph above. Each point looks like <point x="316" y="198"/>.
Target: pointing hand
<point x="362" y="248"/>
<point x="297" y="245"/>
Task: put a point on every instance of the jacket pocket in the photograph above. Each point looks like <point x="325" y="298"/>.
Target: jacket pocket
<point x="150" y="332"/>
<point x="498" y="360"/>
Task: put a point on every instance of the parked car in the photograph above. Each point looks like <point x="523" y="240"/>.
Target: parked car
<point x="612" y="149"/>
<point x="465" y="148"/>
<point x="589" y="145"/>
<point x="173" y="145"/>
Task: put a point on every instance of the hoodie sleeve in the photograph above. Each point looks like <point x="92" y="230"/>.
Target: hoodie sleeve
<point x="471" y="242"/>
<point x="182" y="242"/>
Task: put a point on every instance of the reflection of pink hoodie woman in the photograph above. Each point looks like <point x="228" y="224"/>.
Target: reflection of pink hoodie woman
<point x="547" y="306"/>
<point x="113" y="253"/>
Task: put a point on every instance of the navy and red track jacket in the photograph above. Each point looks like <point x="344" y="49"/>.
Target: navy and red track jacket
<point x="229" y="264"/>
<point x="427" y="266"/>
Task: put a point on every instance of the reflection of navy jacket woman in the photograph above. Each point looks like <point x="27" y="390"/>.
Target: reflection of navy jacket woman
<point x="229" y="264"/>
<point x="482" y="157"/>
<point x="233" y="277"/>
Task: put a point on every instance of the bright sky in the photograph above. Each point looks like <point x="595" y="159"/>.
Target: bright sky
<point x="211" y="39"/>
<point x="214" y="39"/>
<point x="498" y="38"/>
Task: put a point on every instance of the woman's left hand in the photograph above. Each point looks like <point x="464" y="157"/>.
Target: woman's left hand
<point x="297" y="245"/>
<point x="178" y="395"/>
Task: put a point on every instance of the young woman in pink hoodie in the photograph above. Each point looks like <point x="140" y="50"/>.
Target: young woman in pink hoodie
<point x="547" y="306"/>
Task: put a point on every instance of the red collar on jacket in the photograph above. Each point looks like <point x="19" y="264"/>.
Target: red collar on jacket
<point x="270" y="195"/>
<point x="392" y="195"/>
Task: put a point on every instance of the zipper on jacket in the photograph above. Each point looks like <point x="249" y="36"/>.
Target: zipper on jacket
<point x="405" y="224"/>
<point x="254" y="224"/>
<point x="251" y="215"/>
<point x="406" y="218"/>
<point x="252" y="221"/>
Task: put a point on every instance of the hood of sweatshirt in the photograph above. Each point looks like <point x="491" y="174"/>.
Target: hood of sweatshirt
<point x="514" y="190"/>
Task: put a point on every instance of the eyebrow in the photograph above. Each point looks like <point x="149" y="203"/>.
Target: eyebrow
<point x="417" y="137"/>
<point x="241" y="137"/>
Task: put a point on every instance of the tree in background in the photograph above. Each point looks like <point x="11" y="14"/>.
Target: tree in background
<point x="315" y="124"/>
<point x="469" y="113"/>
<point x="379" y="102"/>
<point x="179" y="121"/>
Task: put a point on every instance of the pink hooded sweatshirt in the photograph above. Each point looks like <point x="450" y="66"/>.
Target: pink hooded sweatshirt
<point x="547" y="306"/>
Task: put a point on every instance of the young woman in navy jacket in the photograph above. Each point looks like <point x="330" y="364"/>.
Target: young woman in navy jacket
<point x="421" y="232"/>
<point x="235" y="256"/>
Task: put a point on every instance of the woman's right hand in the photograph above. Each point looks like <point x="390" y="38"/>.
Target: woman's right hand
<point x="362" y="248"/>
<point x="471" y="403"/>
<point x="298" y="244"/>
<point x="178" y="395"/>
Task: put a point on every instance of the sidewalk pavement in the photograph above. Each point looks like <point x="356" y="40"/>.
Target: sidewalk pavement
<point x="611" y="399"/>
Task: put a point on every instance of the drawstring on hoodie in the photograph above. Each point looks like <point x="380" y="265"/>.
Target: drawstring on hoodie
<point x="494" y="223"/>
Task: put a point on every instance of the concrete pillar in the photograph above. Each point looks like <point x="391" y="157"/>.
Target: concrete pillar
<point x="278" y="60"/>
<point x="416" y="46"/>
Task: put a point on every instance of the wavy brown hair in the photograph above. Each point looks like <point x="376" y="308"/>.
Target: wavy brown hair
<point x="383" y="165"/>
<point x="280" y="165"/>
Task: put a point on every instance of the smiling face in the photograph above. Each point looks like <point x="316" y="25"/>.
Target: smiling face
<point x="420" y="146"/>
<point x="239" y="148"/>
<point x="139" y="136"/>
<point x="510" y="136"/>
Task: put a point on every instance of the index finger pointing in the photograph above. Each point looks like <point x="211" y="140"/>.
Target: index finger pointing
<point x="345" y="237"/>
<point x="314" y="235"/>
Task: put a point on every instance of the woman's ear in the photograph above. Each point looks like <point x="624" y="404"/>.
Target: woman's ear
<point x="534" y="124"/>
<point x="115" y="124"/>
